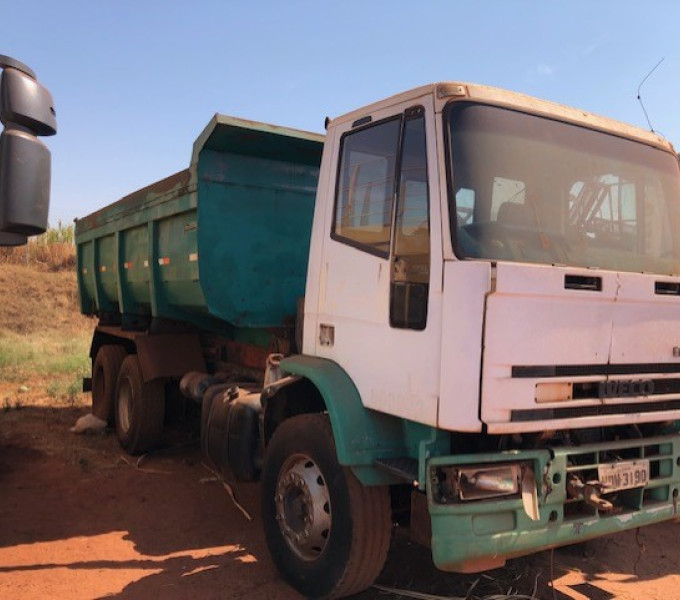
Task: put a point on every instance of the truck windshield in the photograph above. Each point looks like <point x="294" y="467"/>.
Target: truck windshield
<point x="532" y="189"/>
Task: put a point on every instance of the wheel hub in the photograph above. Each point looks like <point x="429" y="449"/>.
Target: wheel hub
<point x="303" y="507"/>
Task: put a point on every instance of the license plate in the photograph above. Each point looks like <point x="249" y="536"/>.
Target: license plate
<point x="624" y="475"/>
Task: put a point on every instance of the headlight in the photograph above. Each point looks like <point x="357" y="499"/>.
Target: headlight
<point x="475" y="483"/>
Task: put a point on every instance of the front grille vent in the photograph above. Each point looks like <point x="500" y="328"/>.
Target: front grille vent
<point x="575" y="412"/>
<point x="547" y="371"/>
<point x="583" y="463"/>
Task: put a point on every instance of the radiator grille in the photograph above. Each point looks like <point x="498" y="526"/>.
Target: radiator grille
<point x="584" y="463"/>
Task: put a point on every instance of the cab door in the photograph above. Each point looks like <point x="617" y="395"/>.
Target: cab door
<point x="379" y="287"/>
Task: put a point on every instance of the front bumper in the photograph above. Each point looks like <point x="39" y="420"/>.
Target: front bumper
<point x="479" y="535"/>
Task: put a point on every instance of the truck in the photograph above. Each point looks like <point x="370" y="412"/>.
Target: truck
<point x="26" y="112"/>
<point x="458" y="310"/>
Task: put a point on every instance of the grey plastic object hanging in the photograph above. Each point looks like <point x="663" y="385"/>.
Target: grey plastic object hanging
<point x="26" y="111"/>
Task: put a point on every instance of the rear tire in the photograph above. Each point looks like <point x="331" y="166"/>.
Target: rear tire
<point x="140" y="408"/>
<point x="327" y="534"/>
<point x="104" y="376"/>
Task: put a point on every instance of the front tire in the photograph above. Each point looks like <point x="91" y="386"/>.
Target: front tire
<point x="327" y="534"/>
<point x="140" y="408"/>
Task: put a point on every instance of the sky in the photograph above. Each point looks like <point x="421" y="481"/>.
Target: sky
<point x="135" y="82"/>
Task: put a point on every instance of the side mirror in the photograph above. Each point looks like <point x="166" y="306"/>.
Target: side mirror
<point x="26" y="111"/>
<point x="24" y="101"/>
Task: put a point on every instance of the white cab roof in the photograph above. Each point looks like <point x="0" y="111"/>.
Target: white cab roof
<point x="445" y="92"/>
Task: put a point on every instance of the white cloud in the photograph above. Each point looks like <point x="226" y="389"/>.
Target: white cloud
<point x="545" y="70"/>
<point x="602" y="40"/>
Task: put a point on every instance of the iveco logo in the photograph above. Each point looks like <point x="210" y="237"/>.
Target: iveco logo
<point x="625" y="388"/>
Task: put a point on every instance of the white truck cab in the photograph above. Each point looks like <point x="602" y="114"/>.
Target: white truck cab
<point x="482" y="260"/>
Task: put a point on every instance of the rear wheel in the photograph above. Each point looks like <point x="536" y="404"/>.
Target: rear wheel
<point x="327" y="534"/>
<point x="104" y="376"/>
<point x="140" y="408"/>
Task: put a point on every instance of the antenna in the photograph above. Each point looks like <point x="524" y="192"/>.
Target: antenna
<point x="640" y="98"/>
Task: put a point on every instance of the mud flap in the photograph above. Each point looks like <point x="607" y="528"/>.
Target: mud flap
<point x="169" y="355"/>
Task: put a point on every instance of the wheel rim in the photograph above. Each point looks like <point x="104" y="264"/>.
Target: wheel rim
<point x="124" y="404"/>
<point x="303" y="507"/>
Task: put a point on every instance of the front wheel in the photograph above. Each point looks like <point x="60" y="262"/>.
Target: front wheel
<point x="140" y="408"/>
<point x="327" y="534"/>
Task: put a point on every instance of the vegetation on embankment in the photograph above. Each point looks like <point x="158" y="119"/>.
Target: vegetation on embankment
<point x="44" y="340"/>
<point x="52" y="251"/>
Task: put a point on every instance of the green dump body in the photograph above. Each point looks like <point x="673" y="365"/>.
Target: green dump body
<point x="222" y="245"/>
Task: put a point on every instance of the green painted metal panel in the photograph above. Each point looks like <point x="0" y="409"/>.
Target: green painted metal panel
<point x="86" y="291"/>
<point x="177" y="261"/>
<point x="134" y="272"/>
<point x="464" y="533"/>
<point x="106" y="272"/>
<point x="222" y="244"/>
<point x="255" y="228"/>
<point x="363" y="435"/>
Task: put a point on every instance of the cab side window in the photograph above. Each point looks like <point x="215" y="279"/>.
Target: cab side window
<point x="410" y="284"/>
<point x="382" y="207"/>
<point x="365" y="189"/>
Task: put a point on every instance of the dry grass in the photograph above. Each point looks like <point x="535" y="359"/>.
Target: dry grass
<point x="33" y="300"/>
<point x="52" y="251"/>
<point x="49" y="257"/>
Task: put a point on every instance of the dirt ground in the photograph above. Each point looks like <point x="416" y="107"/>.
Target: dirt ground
<point x="80" y="520"/>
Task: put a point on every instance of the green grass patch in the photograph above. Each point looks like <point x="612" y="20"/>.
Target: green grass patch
<point x="46" y="364"/>
<point x="65" y="389"/>
<point x="13" y="354"/>
<point x="47" y="354"/>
